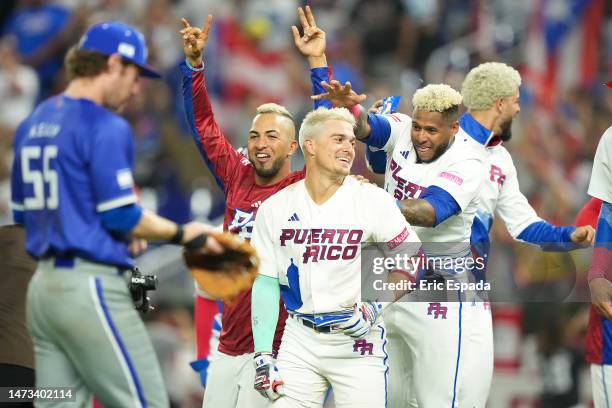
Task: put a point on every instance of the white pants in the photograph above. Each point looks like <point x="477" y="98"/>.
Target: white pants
<point x="440" y="354"/>
<point x="230" y="381"/>
<point x="601" y="380"/>
<point x="308" y="362"/>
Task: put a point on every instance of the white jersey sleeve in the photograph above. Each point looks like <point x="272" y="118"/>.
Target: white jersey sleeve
<point x="395" y="230"/>
<point x="512" y="206"/>
<point x="400" y="127"/>
<point x="263" y="242"/>
<point x="601" y="177"/>
<point x="461" y="179"/>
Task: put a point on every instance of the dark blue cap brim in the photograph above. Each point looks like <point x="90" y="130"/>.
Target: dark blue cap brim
<point x="148" y="71"/>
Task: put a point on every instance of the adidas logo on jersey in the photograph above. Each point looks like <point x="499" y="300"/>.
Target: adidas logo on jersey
<point x="294" y="217"/>
<point x="256" y="204"/>
<point x="405" y="153"/>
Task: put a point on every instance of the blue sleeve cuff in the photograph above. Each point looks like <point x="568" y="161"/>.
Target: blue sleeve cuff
<point x="548" y="236"/>
<point x="443" y="203"/>
<point x="317" y="75"/>
<point x="380" y="131"/>
<point x="201" y="367"/>
<point x="18" y="217"/>
<point x="121" y="220"/>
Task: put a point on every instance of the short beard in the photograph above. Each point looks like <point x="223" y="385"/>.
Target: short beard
<point x="440" y="150"/>
<point x="272" y="171"/>
<point x="506" y="131"/>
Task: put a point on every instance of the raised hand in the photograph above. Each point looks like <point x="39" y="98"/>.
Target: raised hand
<point x="194" y="40"/>
<point x="341" y="96"/>
<point x="312" y="43"/>
<point x="375" y="106"/>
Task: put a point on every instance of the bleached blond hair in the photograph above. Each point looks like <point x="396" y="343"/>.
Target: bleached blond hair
<point x="277" y="110"/>
<point x="274" y="108"/>
<point x="311" y="125"/>
<point x="436" y="98"/>
<point x="487" y="83"/>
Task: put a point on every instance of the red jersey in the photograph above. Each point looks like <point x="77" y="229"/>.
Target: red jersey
<point x="599" y="332"/>
<point x="236" y="177"/>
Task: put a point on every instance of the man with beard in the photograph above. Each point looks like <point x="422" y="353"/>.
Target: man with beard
<point x="246" y="183"/>
<point x="491" y="95"/>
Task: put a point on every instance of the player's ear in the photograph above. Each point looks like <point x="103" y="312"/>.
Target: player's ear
<point x="114" y="64"/>
<point x="309" y="147"/>
<point x="499" y="105"/>
<point x="292" y="148"/>
<point x="455" y="127"/>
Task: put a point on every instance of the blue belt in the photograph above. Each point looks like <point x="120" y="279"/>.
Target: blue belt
<point x="311" y="325"/>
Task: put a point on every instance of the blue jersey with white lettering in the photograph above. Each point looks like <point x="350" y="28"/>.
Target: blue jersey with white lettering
<point x="73" y="160"/>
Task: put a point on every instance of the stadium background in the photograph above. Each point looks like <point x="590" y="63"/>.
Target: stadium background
<point x="563" y="49"/>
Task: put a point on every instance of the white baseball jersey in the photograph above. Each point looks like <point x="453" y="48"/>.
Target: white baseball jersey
<point x="459" y="171"/>
<point x="601" y="177"/>
<point x="500" y="193"/>
<point x="314" y="250"/>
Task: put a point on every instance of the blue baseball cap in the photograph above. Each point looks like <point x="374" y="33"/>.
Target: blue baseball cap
<point x="114" y="37"/>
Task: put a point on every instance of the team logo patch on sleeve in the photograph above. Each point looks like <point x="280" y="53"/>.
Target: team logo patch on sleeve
<point x="401" y="237"/>
<point x="452" y="177"/>
<point x="125" y="179"/>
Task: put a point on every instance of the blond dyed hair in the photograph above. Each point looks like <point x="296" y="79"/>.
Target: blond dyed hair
<point x="436" y="98"/>
<point x="274" y="108"/>
<point x="314" y="120"/>
<point x="487" y="83"/>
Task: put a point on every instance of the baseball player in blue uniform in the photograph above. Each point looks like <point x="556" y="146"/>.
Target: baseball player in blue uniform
<point x="72" y="189"/>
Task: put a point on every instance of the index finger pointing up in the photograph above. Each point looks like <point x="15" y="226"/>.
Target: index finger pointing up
<point x="185" y="23"/>
<point x="207" y="24"/>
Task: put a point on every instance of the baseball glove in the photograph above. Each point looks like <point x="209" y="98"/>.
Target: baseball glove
<point x="224" y="276"/>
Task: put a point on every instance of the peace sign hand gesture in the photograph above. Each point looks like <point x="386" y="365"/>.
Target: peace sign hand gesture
<point x="194" y="40"/>
<point x="312" y="43"/>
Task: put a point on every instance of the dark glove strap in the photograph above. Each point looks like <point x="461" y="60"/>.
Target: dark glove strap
<point x="197" y="242"/>
<point x="178" y="235"/>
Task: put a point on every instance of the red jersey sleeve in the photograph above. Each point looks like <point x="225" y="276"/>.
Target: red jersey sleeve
<point x="218" y="153"/>
<point x="205" y="311"/>
<point x="589" y="213"/>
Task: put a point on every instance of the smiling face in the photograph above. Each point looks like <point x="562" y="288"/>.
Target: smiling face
<point x="333" y="149"/>
<point x="271" y="142"/>
<point x="431" y="133"/>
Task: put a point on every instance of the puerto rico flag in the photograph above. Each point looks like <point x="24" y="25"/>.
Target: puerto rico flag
<point x="562" y="47"/>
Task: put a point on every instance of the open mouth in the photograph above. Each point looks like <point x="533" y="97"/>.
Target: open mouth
<point x="262" y="157"/>
<point x="423" y="149"/>
<point x="344" y="160"/>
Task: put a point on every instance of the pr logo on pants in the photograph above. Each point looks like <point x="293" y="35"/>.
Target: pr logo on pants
<point x="363" y="346"/>
<point x="437" y="310"/>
